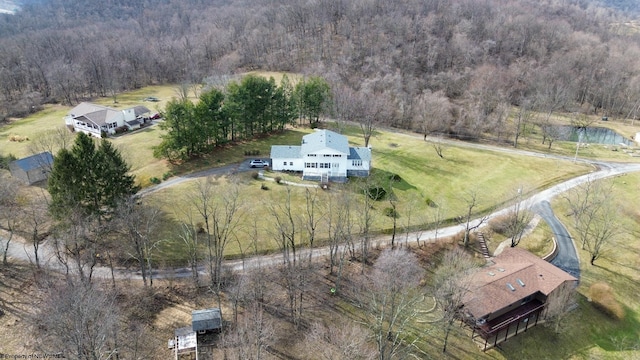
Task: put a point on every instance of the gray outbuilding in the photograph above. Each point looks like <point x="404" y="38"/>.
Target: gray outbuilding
<point x="207" y="320"/>
<point x="33" y="168"/>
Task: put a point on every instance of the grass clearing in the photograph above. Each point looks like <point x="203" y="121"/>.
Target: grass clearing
<point x="424" y="177"/>
<point x="31" y="127"/>
<point x="589" y="333"/>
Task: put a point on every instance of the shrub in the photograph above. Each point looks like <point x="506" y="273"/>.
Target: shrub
<point x="18" y="138"/>
<point x="391" y="212"/>
<point x="121" y="129"/>
<point x="5" y="160"/>
<point x="500" y="225"/>
<point x="278" y="179"/>
<point x="602" y="298"/>
<point x="264" y="187"/>
<point x="155" y="180"/>
<point x="431" y="203"/>
<point x="376" y="193"/>
<point x="167" y="175"/>
<point x="254" y="175"/>
<point x="395" y="177"/>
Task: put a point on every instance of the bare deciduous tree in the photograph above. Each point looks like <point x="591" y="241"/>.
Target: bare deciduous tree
<point x="9" y="206"/>
<point x="391" y="293"/>
<point x="219" y="208"/>
<point x="52" y="141"/>
<point x="76" y="244"/>
<point x="471" y="201"/>
<point x="36" y="222"/>
<point x="188" y="233"/>
<point x="519" y="218"/>
<point x="251" y="335"/>
<point x="523" y="119"/>
<point x="294" y="271"/>
<point x="439" y="146"/>
<point x="78" y="320"/>
<point x="595" y="217"/>
<point x="365" y="217"/>
<point x="339" y="339"/>
<point x="313" y="216"/>
<point x="451" y="283"/>
<point x="140" y="222"/>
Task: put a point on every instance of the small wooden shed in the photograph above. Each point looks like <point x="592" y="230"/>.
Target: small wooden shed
<point x="207" y="320"/>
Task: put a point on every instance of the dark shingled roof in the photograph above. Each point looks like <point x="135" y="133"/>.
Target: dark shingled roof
<point x="514" y="275"/>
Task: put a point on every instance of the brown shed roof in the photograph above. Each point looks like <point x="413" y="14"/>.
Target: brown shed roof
<point x="514" y="275"/>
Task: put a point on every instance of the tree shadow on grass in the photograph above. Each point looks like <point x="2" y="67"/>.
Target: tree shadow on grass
<point x="389" y="179"/>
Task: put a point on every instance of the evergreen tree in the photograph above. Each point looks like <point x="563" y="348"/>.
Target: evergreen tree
<point x="248" y="105"/>
<point x="313" y="96"/>
<point x="89" y="179"/>
<point x="215" y="124"/>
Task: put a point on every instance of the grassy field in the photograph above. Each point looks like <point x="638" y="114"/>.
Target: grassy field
<point x="588" y="333"/>
<point x="426" y="179"/>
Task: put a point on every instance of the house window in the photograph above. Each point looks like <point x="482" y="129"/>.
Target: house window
<point x="291" y="163"/>
<point x="327" y="155"/>
<point x="325" y="166"/>
<point x="337" y="155"/>
<point x="312" y="155"/>
<point x="357" y="163"/>
<point x="310" y="165"/>
<point x="285" y="163"/>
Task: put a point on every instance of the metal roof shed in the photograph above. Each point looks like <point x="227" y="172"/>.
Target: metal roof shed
<point x="206" y="320"/>
<point x="33" y="168"/>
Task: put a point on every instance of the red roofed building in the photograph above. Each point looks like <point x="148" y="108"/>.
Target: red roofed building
<point x="510" y="295"/>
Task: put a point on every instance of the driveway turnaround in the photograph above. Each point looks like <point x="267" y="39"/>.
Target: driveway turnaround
<point x="567" y="256"/>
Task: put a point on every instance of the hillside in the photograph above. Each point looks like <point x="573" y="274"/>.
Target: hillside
<point x="628" y="6"/>
<point x="464" y="61"/>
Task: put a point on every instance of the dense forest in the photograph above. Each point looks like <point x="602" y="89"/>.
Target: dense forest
<point x="454" y="66"/>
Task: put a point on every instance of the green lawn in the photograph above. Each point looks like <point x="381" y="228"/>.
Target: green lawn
<point x="424" y="176"/>
<point x="589" y="334"/>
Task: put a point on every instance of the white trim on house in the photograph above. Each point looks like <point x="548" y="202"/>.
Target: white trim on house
<point x="323" y="155"/>
<point x="93" y="119"/>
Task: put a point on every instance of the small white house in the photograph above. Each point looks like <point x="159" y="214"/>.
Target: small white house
<point x="95" y="119"/>
<point x="324" y="155"/>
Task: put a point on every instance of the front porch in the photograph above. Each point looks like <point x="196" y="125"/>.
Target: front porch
<point x="89" y="129"/>
<point x="324" y="176"/>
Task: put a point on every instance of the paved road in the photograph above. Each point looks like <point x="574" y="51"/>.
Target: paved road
<point x="567" y="258"/>
<point x="18" y="250"/>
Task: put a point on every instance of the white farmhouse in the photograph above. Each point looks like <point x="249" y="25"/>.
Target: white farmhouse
<point x="93" y="119"/>
<point x="324" y="155"/>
